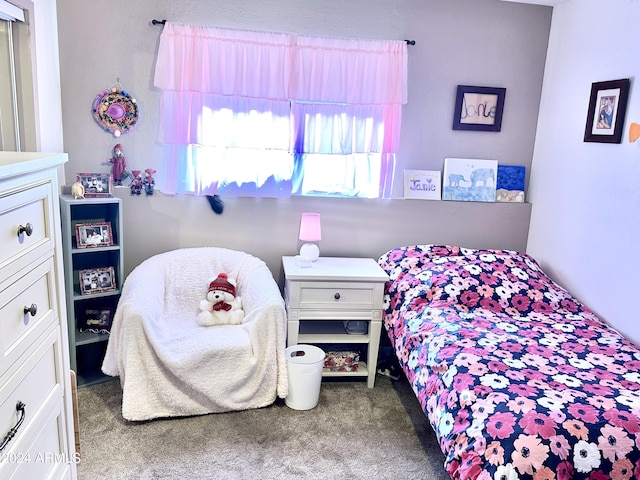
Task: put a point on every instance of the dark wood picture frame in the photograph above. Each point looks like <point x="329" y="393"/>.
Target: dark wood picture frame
<point x="479" y="108"/>
<point x="92" y="235"/>
<point x="607" y="108"/>
<point x="97" y="280"/>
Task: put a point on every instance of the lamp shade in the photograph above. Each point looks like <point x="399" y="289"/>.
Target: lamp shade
<point x="310" y="227"/>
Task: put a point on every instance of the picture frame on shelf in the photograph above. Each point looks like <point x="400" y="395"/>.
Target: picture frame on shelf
<point x="422" y="184"/>
<point x="91" y="235"/>
<point x="607" y="108"/>
<point x="479" y="108"/>
<point x="96" y="185"/>
<point x="97" y="280"/>
<point x="469" y="179"/>
<point x="96" y="320"/>
<point x="510" y="184"/>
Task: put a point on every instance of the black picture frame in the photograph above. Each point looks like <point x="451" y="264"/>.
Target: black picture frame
<point x="96" y="320"/>
<point x="607" y="109"/>
<point x="479" y="108"/>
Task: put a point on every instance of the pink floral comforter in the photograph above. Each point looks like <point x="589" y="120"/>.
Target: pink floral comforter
<point x="518" y="379"/>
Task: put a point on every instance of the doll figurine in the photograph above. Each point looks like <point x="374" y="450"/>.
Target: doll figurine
<point x="148" y="181"/>
<point x="119" y="170"/>
<point x="136" y="183"/>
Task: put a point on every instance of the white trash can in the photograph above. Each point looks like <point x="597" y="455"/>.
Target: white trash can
<point x="304" y="368"/>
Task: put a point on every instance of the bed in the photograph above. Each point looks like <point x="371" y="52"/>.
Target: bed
<point x="517" y="378"/>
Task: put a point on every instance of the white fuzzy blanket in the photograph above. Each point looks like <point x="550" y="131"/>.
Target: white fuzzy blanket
<point x="169" y="365"/>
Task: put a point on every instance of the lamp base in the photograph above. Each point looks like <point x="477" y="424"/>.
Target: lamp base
<point x="310" y="251"/>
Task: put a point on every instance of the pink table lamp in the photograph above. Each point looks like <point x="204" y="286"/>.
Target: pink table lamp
<point x="310" y="232"/>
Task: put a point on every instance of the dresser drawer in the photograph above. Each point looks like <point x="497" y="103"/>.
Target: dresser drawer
<point x="19" y="329"/>
<point x="36" y="385"/>
<point x="41" y="455"/>
<point x="334" y="295"/>
<point x="31" y="209"/>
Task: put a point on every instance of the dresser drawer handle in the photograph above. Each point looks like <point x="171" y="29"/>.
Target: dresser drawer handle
<point x="32" y="310"/>
<point x="28" y="229"/>
<point x="12" y="433"/>
<point x="337" y="296"/>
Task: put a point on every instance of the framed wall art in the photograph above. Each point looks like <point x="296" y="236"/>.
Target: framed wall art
<point x="607" y="106"/>
<point x="96" y="184"/>
<point x="97" y="280"/>
<point x="469" y="180"/>
<point x="90" y="235"/>
<point x="510" y="183"/>
<point x="479" y="108"/>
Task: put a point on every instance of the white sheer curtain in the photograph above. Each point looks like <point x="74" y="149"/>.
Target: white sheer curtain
<point x="243" y="107"/>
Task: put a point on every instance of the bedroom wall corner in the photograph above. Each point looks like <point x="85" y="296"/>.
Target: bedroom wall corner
<point x="584" y="224"/>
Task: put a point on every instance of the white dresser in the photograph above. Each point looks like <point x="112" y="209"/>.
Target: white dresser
<point x="36" y="412"/>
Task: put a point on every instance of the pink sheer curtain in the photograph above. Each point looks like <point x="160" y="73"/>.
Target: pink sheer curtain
<point x="229" y="95"/>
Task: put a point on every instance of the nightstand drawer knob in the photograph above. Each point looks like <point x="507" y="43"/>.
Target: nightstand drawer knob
<point x="337" y="296"/>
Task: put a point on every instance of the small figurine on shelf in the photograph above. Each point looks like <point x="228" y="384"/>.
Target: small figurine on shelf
<point x="119" y="170"/>
<point x="77" y="190"/>
<point x="148" y="181"/>
<point x="136" y="183"/>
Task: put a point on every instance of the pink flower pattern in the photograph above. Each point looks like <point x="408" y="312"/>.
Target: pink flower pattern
<point x="514" y="374"/>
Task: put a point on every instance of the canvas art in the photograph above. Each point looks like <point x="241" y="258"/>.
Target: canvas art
<point x="423" y="184"/>
<point x="510" y="184"/>
<point x="469" y="179"/>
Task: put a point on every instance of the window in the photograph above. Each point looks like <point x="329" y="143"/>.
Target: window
<point x="17" y="108"/>
<point x="261" y="114"/>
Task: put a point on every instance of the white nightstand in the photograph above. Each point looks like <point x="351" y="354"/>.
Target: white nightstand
<point x="321" y="297"/>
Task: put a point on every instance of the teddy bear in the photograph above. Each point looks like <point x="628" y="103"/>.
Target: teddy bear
<point x="222" y="306"/>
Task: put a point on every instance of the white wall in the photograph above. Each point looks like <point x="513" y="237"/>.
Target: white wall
<point x="470" y="42"/>
<point x="49" y="106"/>
<point x="585" y="224"/>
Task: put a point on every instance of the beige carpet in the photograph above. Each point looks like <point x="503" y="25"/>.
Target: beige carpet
<point x="353" y="433"/>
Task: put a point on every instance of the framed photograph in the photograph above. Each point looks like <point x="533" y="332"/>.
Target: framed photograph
<point x="479" y="108"/>
<point x="96" y="320"/>
<point x="95" y="184"/>
<point x="97" y="280"/>
<point x="89" y="235"/>
<point x="607" y="106"/>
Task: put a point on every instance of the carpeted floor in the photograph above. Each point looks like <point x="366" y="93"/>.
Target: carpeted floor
<point x="354" y="433"/>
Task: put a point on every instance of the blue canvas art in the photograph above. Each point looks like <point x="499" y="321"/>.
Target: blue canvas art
<point x="469" y="180"/>
<point x="510" y="186"/>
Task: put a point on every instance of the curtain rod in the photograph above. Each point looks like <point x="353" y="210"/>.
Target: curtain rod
<point x="162" y="22"/>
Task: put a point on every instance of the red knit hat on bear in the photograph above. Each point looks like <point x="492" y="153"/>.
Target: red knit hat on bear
<point x="223" y="284"/>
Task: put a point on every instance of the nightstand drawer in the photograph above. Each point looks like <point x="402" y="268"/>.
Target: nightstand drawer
<point x="336" y="295"/>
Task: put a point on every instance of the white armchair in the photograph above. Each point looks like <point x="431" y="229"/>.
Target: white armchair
<point x="169" y="365"/>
